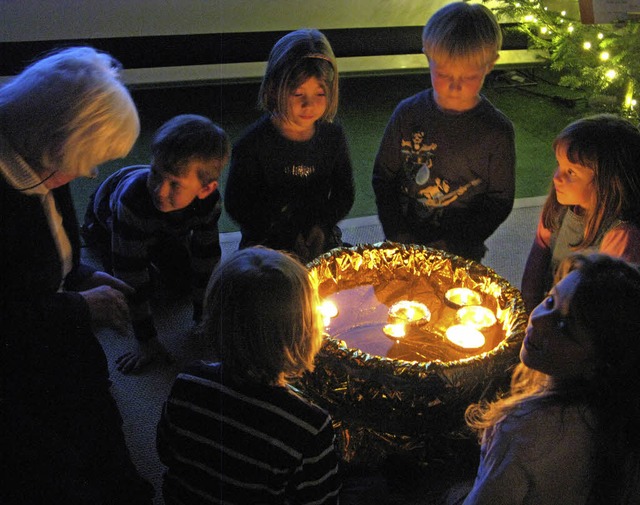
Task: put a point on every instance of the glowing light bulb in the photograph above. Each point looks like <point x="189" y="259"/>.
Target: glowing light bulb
<point x="544" y="30"/>
<point x="611" y="74"/>
<point x="600" y="36"/>
<point x="604" y="55"/>
<point x="563" y="13"/>
<point x="629" y="101"/>
<point x="587" y="45"/>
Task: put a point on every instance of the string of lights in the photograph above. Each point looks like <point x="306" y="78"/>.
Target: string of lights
<point x="601" y="60"/>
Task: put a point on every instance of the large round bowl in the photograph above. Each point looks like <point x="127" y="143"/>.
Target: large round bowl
<point x="395" y="399"/>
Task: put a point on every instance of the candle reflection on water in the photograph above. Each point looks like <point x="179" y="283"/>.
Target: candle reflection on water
<point x="417" y="332"/>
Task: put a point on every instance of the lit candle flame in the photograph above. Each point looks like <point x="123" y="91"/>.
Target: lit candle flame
<point x="395" y="330"/>
<point x="475" y="315"/>
<point x="409" y="311"/>
<point x="465" y="336"/>
<point x="328" y="310"/>
<point x="459" y="297"/>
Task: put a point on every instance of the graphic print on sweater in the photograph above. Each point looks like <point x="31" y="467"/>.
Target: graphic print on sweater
<point x="431" y="192"/>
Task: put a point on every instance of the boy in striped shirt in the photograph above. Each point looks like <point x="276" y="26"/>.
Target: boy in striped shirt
<point x="234" y="431"/>
<point x="162" y="219"/>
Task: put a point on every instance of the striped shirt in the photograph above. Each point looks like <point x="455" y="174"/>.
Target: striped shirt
<point x="224" y="442"/>
<point x="124" y="207"/>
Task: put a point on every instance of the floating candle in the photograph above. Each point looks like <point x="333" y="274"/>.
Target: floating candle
<point x="409" y="312"/>
<point x="327" y="310"/>
<point x="460" y="297"/>
<point x="465" y="336"/>
<point x="395" y="330"/>
<point x="476" y="315"/>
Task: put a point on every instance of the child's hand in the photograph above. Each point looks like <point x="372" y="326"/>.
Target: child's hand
<point x="144" y="354"/>
<point x="401" y="238"/>
<point x="315" y="242"/>
<point x="301" y="249"/>
<point x="439" y="244"/>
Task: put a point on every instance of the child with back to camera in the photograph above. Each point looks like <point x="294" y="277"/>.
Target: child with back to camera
<point x="290" y="179"/>
<point x="162" y="218"/>
<point x="444" y="175"/>
<point x="568" y="431"/>
<point x="233" y="431"/>
<point x="594" y="202"/>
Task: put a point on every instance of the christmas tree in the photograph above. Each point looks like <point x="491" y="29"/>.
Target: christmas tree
<point x="601" y="60"/>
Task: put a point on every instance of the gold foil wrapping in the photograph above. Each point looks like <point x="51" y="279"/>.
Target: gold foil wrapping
<point x="382" y="405"/>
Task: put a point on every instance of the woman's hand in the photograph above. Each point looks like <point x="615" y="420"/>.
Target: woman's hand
<point x="99" y="278"/>
<point x="107" y="299"/>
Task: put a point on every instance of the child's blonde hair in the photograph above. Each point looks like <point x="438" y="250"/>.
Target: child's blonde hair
<point x="462" y="31"/>
<point x="610" y="146"/>
<point x="295" y="58"/>
<point x="261" y="313"/>
<point x="71" y="111"/>
<point x="190" y="137"/>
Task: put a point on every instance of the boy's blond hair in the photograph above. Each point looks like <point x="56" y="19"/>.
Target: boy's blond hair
<point x="462" y="31"/>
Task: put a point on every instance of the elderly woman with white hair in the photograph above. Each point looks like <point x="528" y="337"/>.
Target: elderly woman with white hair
<point x="60" y="118"/>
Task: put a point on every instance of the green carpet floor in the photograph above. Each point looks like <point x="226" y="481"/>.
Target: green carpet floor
<point x="539" y="111"/>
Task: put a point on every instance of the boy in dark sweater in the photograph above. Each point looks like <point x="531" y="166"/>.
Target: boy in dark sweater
<point x="444" y="175"/>
<point x="162" y="219"/>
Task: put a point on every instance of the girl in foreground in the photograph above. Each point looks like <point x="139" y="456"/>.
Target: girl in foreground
<point x="568" y="431"/>
<point x="234" y="431"/>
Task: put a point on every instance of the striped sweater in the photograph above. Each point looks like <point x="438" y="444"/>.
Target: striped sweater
<point x="123" y="206"/>
<point x="225" y="442"/>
